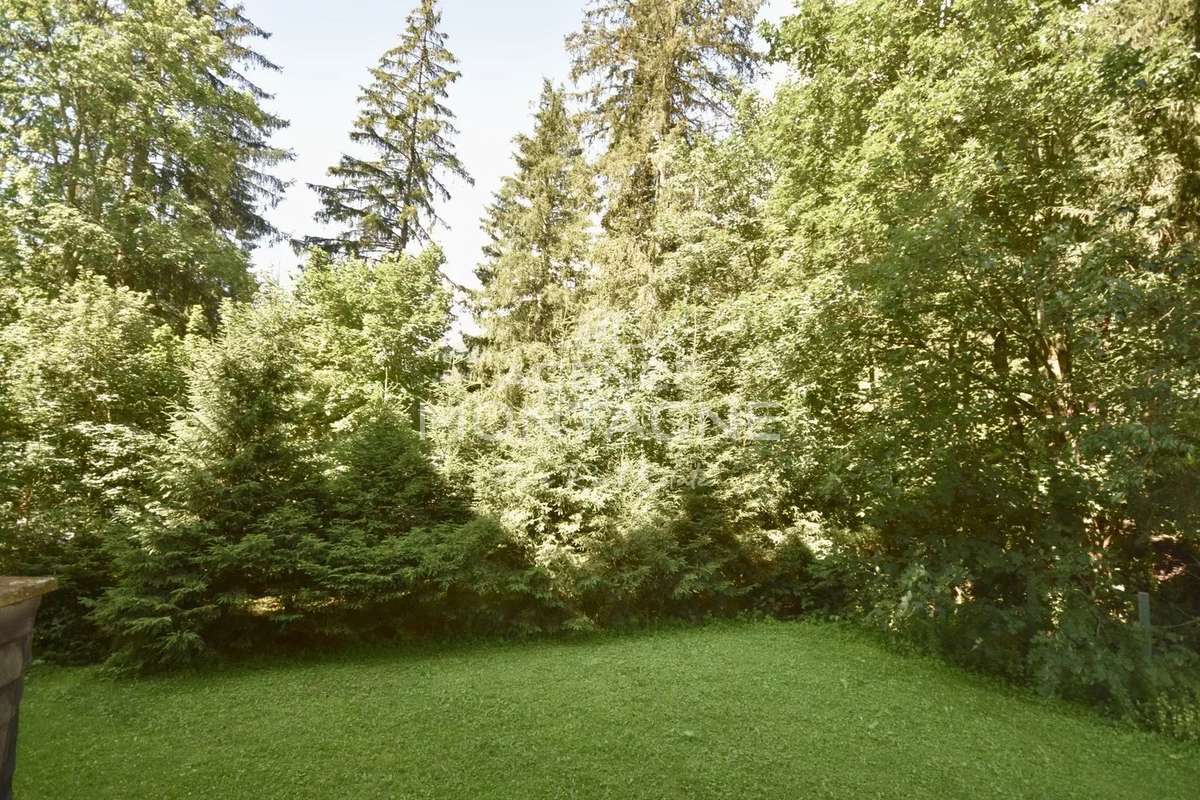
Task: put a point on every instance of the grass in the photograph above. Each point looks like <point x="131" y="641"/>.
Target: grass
<point x="724" y="711"/>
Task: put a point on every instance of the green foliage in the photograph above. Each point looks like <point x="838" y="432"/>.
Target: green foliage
<point x="88" y="378"/>
<point x="538" y="237"/>
<point x="375" y="328"/>
<point x="691" y="566"/>
<point x="476" y="578"/>
<point x="380" y="486"/>
<point x="1174" y="712"/>
<point x="131" y="146"/>
<point x="237" y="522"/>
<point x="983" y="273"/>
<point x="911" y="342"/>
<point x="290" y="473"/>
<point x="382" y="480"/>
<point x="604" y="462"/>
<point x="386" y="202"/>
<point x="656" y="70"/>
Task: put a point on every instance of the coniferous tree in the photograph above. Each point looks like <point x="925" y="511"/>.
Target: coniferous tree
<point x="538" y="232"/>
<point x="251" y="183"/>
<point x="656" y="69"/>
<point x="291" y="468"/>
<point x="386" y="201"/>
<point x="240" y="494"/>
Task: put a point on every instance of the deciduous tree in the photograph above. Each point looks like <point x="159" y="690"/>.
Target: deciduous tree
<point x="133" y="145"/>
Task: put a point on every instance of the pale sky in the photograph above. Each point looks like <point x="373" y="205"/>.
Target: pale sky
<point x="505" y="48"/>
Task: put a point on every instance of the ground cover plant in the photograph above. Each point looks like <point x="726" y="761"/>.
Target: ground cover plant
<point x="758" y="709"/>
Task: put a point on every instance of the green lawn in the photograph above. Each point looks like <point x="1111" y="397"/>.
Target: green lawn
<point x="728" y="711"/>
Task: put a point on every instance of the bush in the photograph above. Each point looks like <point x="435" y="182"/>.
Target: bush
<point x="1174" y="712"/>
<point x="381" y="488"/>
<point x="788" y="585"/>
<point x="236" y="530"/>
<point x="87" y="379"/>
<point x="291" y="479"/>
<point x="691" y="566"/>
<point x="476" y="578"/>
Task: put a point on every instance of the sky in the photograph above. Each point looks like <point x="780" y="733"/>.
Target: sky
<point x="324" y="49"/>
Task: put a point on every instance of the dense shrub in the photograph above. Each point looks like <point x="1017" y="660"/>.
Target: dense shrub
<point x="974" y="318"/>
<point x="237" y="522"/>
<point x="691" y="566"/>
<point x="476" y="578"/>
<point x="87" y="379"/>
<point x="380" y="489"/>
<point x="290" y="475"/>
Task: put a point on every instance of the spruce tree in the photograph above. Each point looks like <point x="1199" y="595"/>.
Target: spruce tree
<point x="386" y="201"/>
<point x="240" y="494"/>
<point x="654" y="69"/>
<point x="538" y="232"/>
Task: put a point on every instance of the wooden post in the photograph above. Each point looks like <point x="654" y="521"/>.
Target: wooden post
<point x="19" y="600"/>
<point x="1144" y="622"/>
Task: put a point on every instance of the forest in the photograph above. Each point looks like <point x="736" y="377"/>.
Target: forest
<point x="910" y="341"/>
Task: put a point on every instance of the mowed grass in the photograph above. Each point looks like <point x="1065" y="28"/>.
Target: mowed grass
<point x="747" y="710"/>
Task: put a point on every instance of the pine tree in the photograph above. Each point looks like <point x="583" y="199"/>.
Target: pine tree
<point x="538" y="232"/>
<point x="656" y="69"/>
<point x="387" y="201"/>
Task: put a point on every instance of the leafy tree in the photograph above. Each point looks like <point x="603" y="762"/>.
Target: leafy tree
<point x="1005" y="404"/>
<point x="375" y="328"/>
<point x="387" y="201"/>
<point x="87" y="381"/>
<point x="954" y="257"/>
<point x="133" y="146"/>
<point x="598" y="461"/>
<point x="656" y="69"/>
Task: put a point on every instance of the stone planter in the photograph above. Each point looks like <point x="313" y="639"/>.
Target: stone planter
<point x="19" y="599"/>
